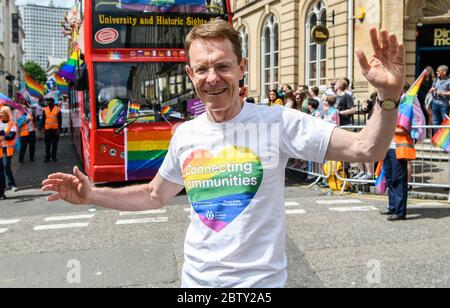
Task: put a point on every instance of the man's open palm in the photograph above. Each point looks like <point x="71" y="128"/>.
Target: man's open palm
<point x="386" y="69"/>
<point x="76" y="189"/>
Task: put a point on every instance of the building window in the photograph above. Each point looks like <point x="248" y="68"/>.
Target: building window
<point x="244" y="38"/>
<point x="316" y="54"/>
<point x="269" y="55"/>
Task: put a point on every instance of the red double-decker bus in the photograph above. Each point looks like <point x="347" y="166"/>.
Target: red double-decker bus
<point x="134" y="70"/>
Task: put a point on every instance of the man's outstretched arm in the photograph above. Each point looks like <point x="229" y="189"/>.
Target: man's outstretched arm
<point x="78" y="189"/>
<point x="385" y="71"/>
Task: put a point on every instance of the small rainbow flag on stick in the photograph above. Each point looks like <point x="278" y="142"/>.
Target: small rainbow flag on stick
<point x="33" y="87"/>
<point x="166" y="110"/>
<point x="381" y="182"/>
<point x="134" y="108"/>
<point x="442" y="136"/>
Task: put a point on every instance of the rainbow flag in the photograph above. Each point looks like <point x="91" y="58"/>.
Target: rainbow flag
<point x="134" y="108"/>
<point x="166" y="110"/>
<point x="33" y="87"/>
<point x="381" y="182"/>
<point x="442" y="136"/>
<point x="68" y="69"/>
<point x="406" y="110"/>
<point x="61" y="84"/>
<point x="145" y="151"/>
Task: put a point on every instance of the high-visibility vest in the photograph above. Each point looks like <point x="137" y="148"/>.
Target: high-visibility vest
<point x="404" y="147"/>
<point x="27" y="128"/>
<point x="9" y="144"/>
<point x="51" y="118"/>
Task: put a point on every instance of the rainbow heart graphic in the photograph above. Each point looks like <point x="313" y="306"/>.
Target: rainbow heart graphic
<point x="221" y="187"/>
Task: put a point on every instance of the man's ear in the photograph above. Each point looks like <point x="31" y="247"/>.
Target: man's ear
<point x="243" y="66"/>
<point x="189" y="72"/>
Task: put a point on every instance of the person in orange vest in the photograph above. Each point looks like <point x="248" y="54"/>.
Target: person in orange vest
<point x="51" y="121"/>
<point x="9" y="127"/>
<point x="27" y="134"/>
<point x="399" y="153"/>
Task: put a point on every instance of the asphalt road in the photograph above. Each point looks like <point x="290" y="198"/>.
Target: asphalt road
<point x="332" y="241"/>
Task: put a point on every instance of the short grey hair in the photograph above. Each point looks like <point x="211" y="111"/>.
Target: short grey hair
<point x="444" y="68"/>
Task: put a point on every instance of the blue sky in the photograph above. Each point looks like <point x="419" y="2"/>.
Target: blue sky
<point x="58" y="3"/>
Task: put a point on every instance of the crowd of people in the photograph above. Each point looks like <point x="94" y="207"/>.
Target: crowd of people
<point x="20" y="130"/>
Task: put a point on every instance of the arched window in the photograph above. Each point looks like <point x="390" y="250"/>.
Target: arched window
<point x="269" y="55"/>
<point x="244" y="38"/>
<point x="316" y="54"/>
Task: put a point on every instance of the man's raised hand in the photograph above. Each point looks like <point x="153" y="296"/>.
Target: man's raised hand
<point x="76" y="188"/>
<point x="386" y="69"/>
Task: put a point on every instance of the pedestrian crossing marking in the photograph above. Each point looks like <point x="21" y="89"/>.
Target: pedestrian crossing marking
<point x="9" y="221"/>
<point x="298" y="211"/>
<point x="3" y="230"/>
<point x="61" y="226"/>
<point x="142" y="221"/>
<point x="354" y="209"/>
<point x="291" y="204"/>
<point x="71" y="217"/>
<point x="160" y="211"/>
<point x="338" y="201"/>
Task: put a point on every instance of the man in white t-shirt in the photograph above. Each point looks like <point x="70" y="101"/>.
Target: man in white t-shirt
<point x="231" y="160"/>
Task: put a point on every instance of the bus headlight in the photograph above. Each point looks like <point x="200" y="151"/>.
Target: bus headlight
<point x="113" y="152"/>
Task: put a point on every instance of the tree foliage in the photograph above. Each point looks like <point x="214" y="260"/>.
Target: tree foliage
<point x="36" y="72"/>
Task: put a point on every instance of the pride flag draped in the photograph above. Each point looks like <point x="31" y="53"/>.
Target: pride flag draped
<point x="145" y="151"/>
<point x="33" y="87"/>
<point x="68" y="70"/>
<point x="61" y="84"/>
<point x="6" y="101"/>
<point x="442" y="136"/>
<point x="406" y="110"/>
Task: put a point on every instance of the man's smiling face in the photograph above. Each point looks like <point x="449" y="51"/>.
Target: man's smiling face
<point x="215" y="72"/>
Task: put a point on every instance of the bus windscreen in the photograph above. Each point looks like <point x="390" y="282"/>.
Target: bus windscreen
<point x="150" y="23"/>
<point x="127" y="90"/>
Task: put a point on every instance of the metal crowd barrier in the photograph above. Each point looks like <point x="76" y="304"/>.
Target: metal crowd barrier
<point x="431" y="169"/>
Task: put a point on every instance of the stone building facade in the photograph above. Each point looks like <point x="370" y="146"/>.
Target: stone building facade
<point x="277" y="40"/>
<point x="11" y="47"/>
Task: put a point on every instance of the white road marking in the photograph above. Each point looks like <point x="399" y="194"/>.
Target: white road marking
<point x="92" y="210"/>
<point x="354" y="209"/>
<point x="188" y="209"/>
<point x="161" y="211"/>
<point x="72" y="217"/>
<point x="61" y="226"/>
<point x="3" y="230"/>
<point x="291" y="204"/>
<point x="9" y="221"/>
<point x="142" y="221"/>
<point x="290" y="212"/>
<point x="339" y="201"/>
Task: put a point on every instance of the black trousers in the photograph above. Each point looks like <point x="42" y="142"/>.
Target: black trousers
<point x="397" y="177"/>
<point x="51" y="138"/>
<point x="24" y="142"/>
<point x="8" y="170"/>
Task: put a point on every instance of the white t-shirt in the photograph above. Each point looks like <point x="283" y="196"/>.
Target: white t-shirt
<point x="234" y="175"/>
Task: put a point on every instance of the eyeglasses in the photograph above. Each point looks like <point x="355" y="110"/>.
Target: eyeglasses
<point x="221" y="68"/>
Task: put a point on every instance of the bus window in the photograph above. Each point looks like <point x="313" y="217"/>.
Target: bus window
<point x="138" y="88"/>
